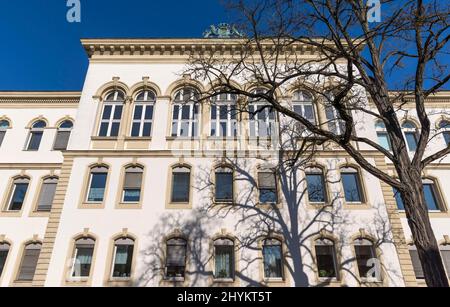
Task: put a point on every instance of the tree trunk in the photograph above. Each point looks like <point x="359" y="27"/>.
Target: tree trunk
<point x="422" y="232"/>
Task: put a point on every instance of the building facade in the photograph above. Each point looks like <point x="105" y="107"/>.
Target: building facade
<point x="130" y="182"/>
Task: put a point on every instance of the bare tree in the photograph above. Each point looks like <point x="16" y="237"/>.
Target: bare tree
<point x="331" y="48"/>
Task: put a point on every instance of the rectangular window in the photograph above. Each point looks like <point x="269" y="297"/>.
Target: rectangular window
<point x="224" y="120"/>
<point x="335" y="124"/>
<point x="97" y="187"/>
<point x="62" y="140"/>
<point x="431" y="197"/>
<point x="123" y="258"/>
<point x="224" y="186"/>
<point x="316" y="188"/>
<point x="185" y="120"/>
<point x="35" y="140"/>
<point x="417" y="265"/>
<point x="384" y="141"/>
<point x="47" y="195"/>
<point x="18" y="196"/>
<point x="326" y="262"/>
<point x="132" y="187"/>
<point x="83" y="260"/>
<point x="110" y="123"/>
<point x="364" y="254"/>
<point x="411" y="139"/>
<point x="176" y="260"/>
<point x="445" y="251"/>
<point x="273" y="261"/>
<point x="224" y="261"/>
<point x="267" y="188"/>
<point x="180" y="187"/>
<point x="29" y="262"/>
<point x="352" y="188"/>
<point x="262" y="120"/>
<point x="142" y="121"/>
<point x="446" y="138"/>
<point x="399" y="200"/>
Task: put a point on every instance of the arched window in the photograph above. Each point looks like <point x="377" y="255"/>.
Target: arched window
<point x="63" y="135"/>
<point x="176" y="253"/>
<point x="35" y="135"/>
<point x="29" y="262"/>
<point x="224" y="114"/>
<point x="97" y="184"/>
<point x="335" y="123"/>
<point x="417" y="265"/>
<point x="445" y="253"/>
<point x="4" y="126"/>
<point x="326" y="259"/>
<point x="383" y="137"/>
<point x="17" y="194"/>
<point x="47" y="194"/>
<point x="123" y="258"/>
<point x="186" y="111"/>
<point x="262" y="117"/>
<point x="445" y="128"/>
<point x="224" y="259"/>
<point x="366" y="260"/>
<point x="315" y="180"/>
<point x="132" y="186"/>
<point x="181" y="184"/>
<point x="411" y="135"/>
<point x="351" y="183"/>
<point x="303" y="105"/>
<point x="224" y="185"/>
<point x="4" y="251"/>
<point x="82" y="258"/>
<point x="143" y="114"/>
<point x="273" y="259"/>
<point x="112" y="114"/>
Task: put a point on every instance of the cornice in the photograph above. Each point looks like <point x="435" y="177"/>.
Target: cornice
<point x="46" y="98"/>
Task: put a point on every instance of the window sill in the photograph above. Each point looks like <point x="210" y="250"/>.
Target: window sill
<point x="11" y="213"/>
<point x="274" y="280"/>
<point x="182" y="138"/>
<point x="223" y="280"/>
<point x="179" y="206"/>
<point x="174" y="279"/>
<point x="40" y="214"/>
<point x="104" y="138"/>
<point x="268" y="206"/>
<point x="20" y="283"/>
<point x="136" y="138"/>
<point x="129" y="206"/>
<point x="92" y="206"/>
<point x="432" y="214"/>
<point x="357" y="206"/>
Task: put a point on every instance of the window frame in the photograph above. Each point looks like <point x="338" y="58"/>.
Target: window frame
<point x="302" y="99"/>
<point x="233" y="259"/>
<point x="4" y="129"/>
<point x="89" y="183"/>
<point x="381" y="130"/>
<point x="445" y="130"/>
<point x="39" y="194"/>
<point x="410" y="132"/>
<point x="375" y="255"/>
<point x="113" y="103"/>
<point x="314" y="171"/>
<point x="183" y="204"/>
<point x="360" y="184"/>
<point x="71" y="271"/>
<point x="217" y="103"/>
<point x="12" y="191"/>
<point x="114" y="258"/>
<point x="335" y="256"/>
<point x="8" y="253"/>
<point x="34" y="132"/>
<point x="18" y="272"/>
<point x="280" y="245"/>
<point x="224" y="170"/>
<point x="145" y="103"/>
<point x="166" y="266"/>
<point x="123" y="189"/>
<point x="194" y="120"/>
<point x="254" y="117"/>
<point x="274" y="189"/>
<point x="63" y="130"/>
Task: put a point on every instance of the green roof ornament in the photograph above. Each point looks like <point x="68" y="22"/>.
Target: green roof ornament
<point x="222" y="30"/>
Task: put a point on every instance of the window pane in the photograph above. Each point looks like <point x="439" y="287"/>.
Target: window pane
<point x="176" y="258"/>
<point x="383" y="140"/>
<point x="123" y="261"/>
<point x="175" y="129"/>
<point x="445" y="256"/>
<point x="148" y="112"/>
<point x="118" y="112"/>
<point x="97" y="188"/>
<point x="135" y="130"/>
<point x="446" y="137"/>
<point x="2" y="136"/>
<point x="107" y="112"/>
<point x="430" y="197"/>
<point x="186" y="112"/>
<point x="115" y="129"/>
<point x="176" y="110"/>
<point x="138" y="112"/>
<point x="411" y="140"/>
<point x="35" y="140"/>
<point x="62" y="140"/>
<point x="326" y="261"/>
<point x="272" y="262"/>
<point x="316" y="188"/>
<point x="267" y="196"/>
<point x="418" y="270"/>
<point x="180" y="187"/>
<point x="104" y="129"/>
<point x="4" y="250"/>
<point x="147" y="130"/>
<point x="184" y="132"/>
<point x="399" y="200"/>
<point x="363" y="256"/>
<point x="224" y="186"/>
<point x="224" y="262"/>
<point x="18" y="197"/>
<point x="83" y="260"/>
<point x="351" y="187"/>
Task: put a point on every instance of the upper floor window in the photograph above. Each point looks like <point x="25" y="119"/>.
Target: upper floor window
<point x="263" y="122"/>
<point x="432" y="196"/>
<point x="4" y="126"/>
<point x="366" y="258"/>
<point x="445" y="253"/>
<point x="63" y="135"/>
<point x="181" y="185"/>
<point x="224" y="259"/>
<point x="268" y="192"/>
<point x="123" y="258"/>
<point x="351" y="182"/>
<point x="186" y="113"/>
<point x="224" y="114"/>
<point x="143" y="114"/>
<point x="47" y="194"/>
<point x="383" y="137"/>
<point x="176" y="258"/>
<point x="97" y="184"/>
<point x="273" y="259"/>
<point x="411" y="135"/>
<point x="335" y="123"/>
<point x="315" y="180"/>
<point x="18" y="193"/>
<point x="303" y="105"/>
<point x="444" y="126"/>
<point x="82" y="258"/>
<point x="4" y="251"/>
<point x="326" y="259"/>
<point x="35" y="136"/>
<point x="112" y="114"/>
<point x="132" y="186"/>
<point x="417" y="265"/>
<point x="224" y="184"/>
<point x="29" y="262"/>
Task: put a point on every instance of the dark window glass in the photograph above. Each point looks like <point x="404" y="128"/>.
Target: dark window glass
<point x="84" y="250"/>
<point x="326" y="259"/>
<point x="316" y="187"/>
<point x="35" y="140"/>
<point x="352" y="187"/>
<point x="267" y="188"/>
<point x="365" y="253"/>
<point x="411" y="139"/>
<point x="97" y="188"/>
<point x="18" y="196"/>
<point x="417" y="265"/>
<point x="4" y="250"/>
<point x="431" y="197"/>
<point x="224" y="259"/>
<point x="176" y="258"/>
<point x="399" y="200"/>
<point x="273" y="260"/>
<point x="224" y="186"/>
<point x="123" y="258"/>
<point x="29" y="262"/>
<point x="446" y="138"/>
<point x="180" y="186"/>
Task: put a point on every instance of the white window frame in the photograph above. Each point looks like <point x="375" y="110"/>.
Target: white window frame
<point x="380" y="128"/>
<point x="193" y="118"/>
<point x="60" y="129"/>
<point x="335" y="260"/>
<point x="114" y="261"/>
<point x="13" y="190"/>
<point x="75" y="254"/>
<point x="145" y="103"/>
<point x="33" y="130"/>
<point x="114" y="103"/>
<point x="231" y="103"/>
<point x="302" y="99"/>
<point x="407" y="131"/>
<point x="270" y="123"/>
<point x="91" y="175"/>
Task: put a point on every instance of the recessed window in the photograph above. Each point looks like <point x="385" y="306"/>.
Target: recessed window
<point x="4" y="126"/>
<point x="383" y="137"/>
<point x="366" y="259"/>
<point x="326" y="259"/>
<point x="267" y="181"/>
<point x="181" y="184"/>
<point x="97" y="184"/>
<point x="315" y="181"/>
<point x="4" y="251"/>
<point x="224" y="116"/>
<point x="84" y="251"/>
<point x="302" y="104"/>
<point x="18" y="193"/>
<point x="262" y="117"/>
<point x="417" y="265"/>
<point x="47" y="194"/>
<point x="186" y="110"/>
<point x="399" y="200"/>
<point x="411" y="135"/>
<point x="29" y="262"/>
<point x="224" y="184"/>
<point x="335" y="123"/>
<point x="273" y="259"/>
<point x="123" y="258"/>
<point x="63" y="135"/>
<point x="445" y="253"/>
<point x="445" y="127"/>
<point x="143" y="114"/>
<point x="432" y="197"/>
<point x="224" y="259"/>
<point x="112" y="114"/>
<point x="35" y="136"/>
<point x="352" y="185"/>
<point x="132" y="186"/>
<point x="176" y="258"/>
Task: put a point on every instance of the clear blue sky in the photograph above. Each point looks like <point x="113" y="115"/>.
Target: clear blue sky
<point x="42" y="51"/>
